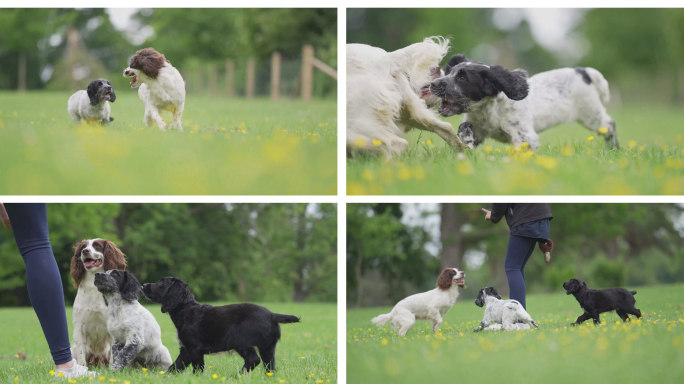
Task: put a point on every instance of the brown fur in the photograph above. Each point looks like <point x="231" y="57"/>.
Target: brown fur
<point x="149" y="61"/>
<point x="113" y="259"/>
<point x="445" y="278"/>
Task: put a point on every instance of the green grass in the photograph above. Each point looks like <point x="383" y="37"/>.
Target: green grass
<point x="646" y="351"/>
<point x="306" y="353"/>
<point x="228" y="146"/>
<point x="650" y="161"/>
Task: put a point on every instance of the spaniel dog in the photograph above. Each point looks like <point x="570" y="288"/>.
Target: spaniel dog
<point x="596" y="301"/>
<point x="387" y="94"/>
<point x="91" y="340"/>
<point x="136" y="334"/>
<point x="431" y="305"/>
<point x="506" y="314"/>
<point x="92" y="104"/>
<point x="206" y="329"/>
<point x="507" y="107"/>
<point x="160" y="87"/>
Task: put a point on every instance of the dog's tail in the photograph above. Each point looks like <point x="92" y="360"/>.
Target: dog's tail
<point x="278" y="318"/>
<point x="600" y="84"/>
<point x="381" y="320"/>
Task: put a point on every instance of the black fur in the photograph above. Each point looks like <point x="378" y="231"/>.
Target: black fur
<point x="596" y="301"/>
<point x="584" y="74"/>
<point x="120" y="281"/>
<point x="206" y="329"/>
<point x="489" y="291"/>
<point x="100" y="89"/>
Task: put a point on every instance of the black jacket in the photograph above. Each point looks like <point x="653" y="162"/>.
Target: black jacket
<point x="520" y="213"/>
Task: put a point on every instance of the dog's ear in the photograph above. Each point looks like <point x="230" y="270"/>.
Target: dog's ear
<point x="92" y="92"/>
<point x="77" y="269"/>
<point x="512" y="83"/>
<point x="113" y="257"/>
<point x="444" y="280"/>
<point x="454" y="61"/>
<point x="176" y="294"/>
<point x="130" y="287"/>
<point x="494" y="293"/>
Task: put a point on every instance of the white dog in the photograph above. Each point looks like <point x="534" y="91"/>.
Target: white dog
<point x="161" y="87"/>
<point x="502" y="314"/>
<point x="92" y="104"/>
<point x="387" y="94"/>
<point x="136" y="334"/>
<point x="505" y="106"/>
<point x="431" y="305"/>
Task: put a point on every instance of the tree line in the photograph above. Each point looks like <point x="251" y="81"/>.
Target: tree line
<point x="233" y="252"/>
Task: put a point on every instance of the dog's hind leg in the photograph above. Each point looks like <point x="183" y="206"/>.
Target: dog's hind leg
<point x="250" y="356"/>
<point x="268" y="357"/>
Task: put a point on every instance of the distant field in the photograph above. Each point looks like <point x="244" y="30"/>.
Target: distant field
<point x="228" y="146"/>
<point x="571" y="160"/>
<point x="306" y="353"/>
<point x="646" y="351"/>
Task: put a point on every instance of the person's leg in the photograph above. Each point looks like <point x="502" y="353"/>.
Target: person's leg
<point x="43" y="281"/>
<point x="518" y="252"/>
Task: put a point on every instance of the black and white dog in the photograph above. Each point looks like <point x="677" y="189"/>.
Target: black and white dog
<point x="596" y="301"/>
<point x="507" y="314"/>
<point x="508" y="107"/>
<point x="92" y="104"/>
<point x="135" y="332"/>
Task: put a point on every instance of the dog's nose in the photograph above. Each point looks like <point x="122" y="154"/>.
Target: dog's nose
<point x="86" y="251"/>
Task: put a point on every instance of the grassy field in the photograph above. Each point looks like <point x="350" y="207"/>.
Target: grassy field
<point x="228" y="147"/>
<point x="646" y="351"/>
<point x="571" y="160"/>
<point x="306" y="353"/>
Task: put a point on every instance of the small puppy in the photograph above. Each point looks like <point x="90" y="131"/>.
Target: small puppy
<point x="596" y="301"/>
<point x="506" y="314"/>
<point x="505" y="106"/>
<point x="136" y="334"/>
<point x="206" y="329"/>
<point x="92" y="104"/>
<point x="431" y="305"/>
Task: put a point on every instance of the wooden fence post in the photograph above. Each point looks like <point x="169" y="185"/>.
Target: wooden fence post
<point x="249" y="85"/>
<point x="307" y="72"/>
<point x="230" y="77"/>
<point x="275" y="75"/>
<point x="213" y="79"/>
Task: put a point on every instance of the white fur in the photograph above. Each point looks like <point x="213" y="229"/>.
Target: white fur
<point x="79" y="108"/>
<point x="431" y="305"/>
<point x="166" y="92"/>
<point x="505" y="314"/>
<point x="384" y="92"/>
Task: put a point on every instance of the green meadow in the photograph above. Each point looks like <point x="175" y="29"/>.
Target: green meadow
<point x="306" y="353"/>
<point x="571" y="160"/>
<point x="650" y="350"/>
<point x="228" y="146"/>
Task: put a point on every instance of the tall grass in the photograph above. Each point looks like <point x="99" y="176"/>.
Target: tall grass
<point x="306" y="352"/>
<point x="649" y="350"/>
<point x="571" y="160"/>
<point x="228" y="146"/>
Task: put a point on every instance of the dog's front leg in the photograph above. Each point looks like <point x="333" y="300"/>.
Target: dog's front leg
<point x="582" y="318"/>
<point x="436" y="322"/>
<point x="467" y="135"/>
<point x="482" y="326"/>
<point x="182" y="361"/>
<point x="126" y="354"/>
<point x="152" y="117"/>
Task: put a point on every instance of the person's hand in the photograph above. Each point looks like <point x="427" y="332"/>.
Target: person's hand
<point x="4" y="217"/>
<point x="488" y="214"/>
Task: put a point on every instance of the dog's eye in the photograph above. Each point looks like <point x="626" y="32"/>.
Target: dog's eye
<point x="460" y="76"/>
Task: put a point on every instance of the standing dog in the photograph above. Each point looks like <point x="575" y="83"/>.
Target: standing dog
<point x="510" y="314"/>
<point x="431" y="305"/>
<point x="206" y="329"/>
<point x="505" y="106"/>
<point x="92" y="104"/>
<point x="596" y="301"/>
<point x="160" y="87"/>
<point x="136" y="334"/>
<point x="387" y="94"/>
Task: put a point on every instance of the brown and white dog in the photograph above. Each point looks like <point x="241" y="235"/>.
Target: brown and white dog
<point x="160" y="87"/>
<point x="431" y="305"/>
<point x="91" y="340"/>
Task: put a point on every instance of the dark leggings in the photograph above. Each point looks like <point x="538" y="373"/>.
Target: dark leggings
<point x="44" y="283"/>
<point x="519" y="250"/>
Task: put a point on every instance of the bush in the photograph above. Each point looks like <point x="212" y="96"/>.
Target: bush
<point x="607" y="273"/>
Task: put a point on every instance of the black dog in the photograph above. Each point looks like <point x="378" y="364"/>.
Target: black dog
<point x="596" y="301"/>
<point x="206" y="329"/>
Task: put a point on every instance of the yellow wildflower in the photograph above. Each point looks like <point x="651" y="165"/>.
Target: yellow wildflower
<point x="269" y="374"/>
<point x="376" y="142"/>
<point x="214" y="376"/>
<point x="590" y="138"/>
<point x="428" y="142"/>
<point x="602" y="130"/>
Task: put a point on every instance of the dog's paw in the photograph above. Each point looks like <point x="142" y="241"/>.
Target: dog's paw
<point x="465" y="133"/>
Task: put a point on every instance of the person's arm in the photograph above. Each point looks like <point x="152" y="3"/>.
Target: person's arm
<point x="5" y="217"/>
<point x="498" y="211"/>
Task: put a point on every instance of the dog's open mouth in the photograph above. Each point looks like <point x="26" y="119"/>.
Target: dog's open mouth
<point x="105" y="96"/>
<point x="460" y="282"/>
<point x="425" y="92"/>
<point x="134" y="79"/>
<point x="445" y="108"/>
<point x="92" y="263"/>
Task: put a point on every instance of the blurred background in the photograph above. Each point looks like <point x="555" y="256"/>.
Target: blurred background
<point x="639" y="51"/>
<point x="233" y="252"/>
<point x="218" y="51"/>
<point x="394" y="250"/>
